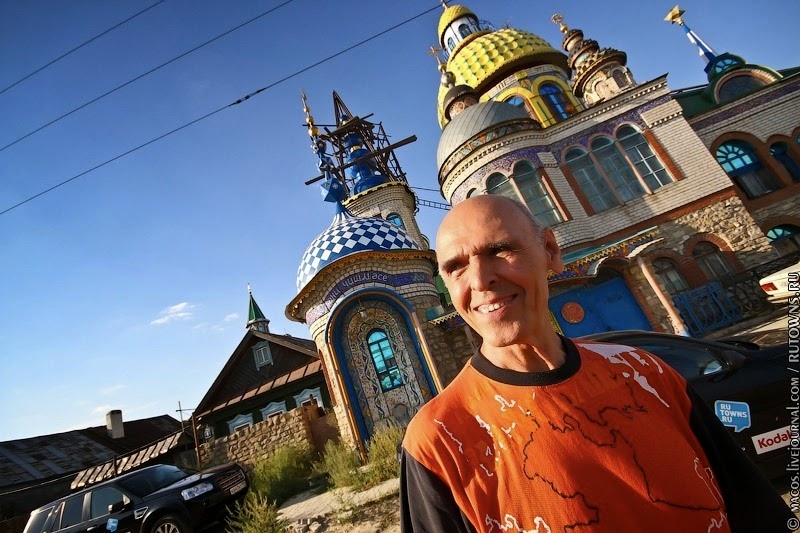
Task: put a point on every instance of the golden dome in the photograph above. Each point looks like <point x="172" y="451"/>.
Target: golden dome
<point x="483" y="60"/>
<point x="450" y="14"/>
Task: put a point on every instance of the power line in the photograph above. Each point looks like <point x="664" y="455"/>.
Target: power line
<point x="137" y="78"/>
<point x="207" y="115"/>
<point x="65" y="54"/>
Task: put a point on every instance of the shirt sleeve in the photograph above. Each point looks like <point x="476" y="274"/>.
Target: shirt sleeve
<point x="751" y="501"/>
<point x="426" y="503"/>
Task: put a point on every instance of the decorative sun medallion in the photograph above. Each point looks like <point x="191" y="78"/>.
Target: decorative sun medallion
<point x="572" y="312"/>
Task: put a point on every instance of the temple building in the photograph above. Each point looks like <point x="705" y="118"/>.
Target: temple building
<point x="666" y="203"/>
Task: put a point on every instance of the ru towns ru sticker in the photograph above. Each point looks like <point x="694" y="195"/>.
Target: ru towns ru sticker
<point x="733" y="414"/>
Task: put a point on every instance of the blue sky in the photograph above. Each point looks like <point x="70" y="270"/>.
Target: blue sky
<point x="126" y="288"/>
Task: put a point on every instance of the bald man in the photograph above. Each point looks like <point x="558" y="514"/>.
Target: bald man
<point x="542" y="433"/>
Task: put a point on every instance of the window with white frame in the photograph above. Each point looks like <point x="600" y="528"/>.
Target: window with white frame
<point x="262" y="354"/>
<point x="711" y="260"/>
<point x="526" y="185"/>
<point x="273" y="409"/>
<point x="645" y="161"/>
<point x="616" y="172"/>
<point x="308" y="396"/>
<point x="240" y="423"/>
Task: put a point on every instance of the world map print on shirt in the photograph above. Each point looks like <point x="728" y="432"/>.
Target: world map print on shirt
<point x="605" y="448"/>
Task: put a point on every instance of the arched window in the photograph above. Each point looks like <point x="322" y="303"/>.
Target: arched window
<point x="384" y="360"/>
<point x="738" y="86"/>
<point x="590" y="181"/>
<point x="451" y="44"/>
<point x="526" y="186"/>
<point x="711" y="260"/>
<point x="472" y="192"/>
<point x="516" y="101"/>
<point x="556" y="101"/>
<point x="620" y="77"/>
<point x="669" y="276"/>
<point x="646" y="163"/>
<point x="617" y="169"/>
<point x="780" y="151"/>
<point x="784" y="238"/>
<point x="534" y="193"/>
<point x="740" y="162"/>
<point x="464" y="30"/>
<point x="395" y="219"/>
<point x="500" y="185"/>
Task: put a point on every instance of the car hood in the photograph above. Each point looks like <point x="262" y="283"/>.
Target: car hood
<point x="187" y="481"/>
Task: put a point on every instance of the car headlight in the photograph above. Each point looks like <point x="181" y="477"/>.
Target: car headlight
<point x="197" y="490"/>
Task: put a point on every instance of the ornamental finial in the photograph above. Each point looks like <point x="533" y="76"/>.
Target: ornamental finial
<point x="558" y="19"/>
<point x="675" y="15"/>
<point x="434" y="51"/>
<point x="313" y="131"/>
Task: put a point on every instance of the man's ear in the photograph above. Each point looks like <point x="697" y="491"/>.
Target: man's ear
<point x="553" y="252"/>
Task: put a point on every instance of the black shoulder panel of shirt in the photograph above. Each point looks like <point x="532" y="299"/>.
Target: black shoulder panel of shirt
<point x="571" y="365"/>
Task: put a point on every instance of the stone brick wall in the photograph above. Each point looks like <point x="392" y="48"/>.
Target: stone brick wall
<point x="299" y="427"/>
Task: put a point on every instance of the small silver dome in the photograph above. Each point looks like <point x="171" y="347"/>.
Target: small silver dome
<point x="473" y="120"/>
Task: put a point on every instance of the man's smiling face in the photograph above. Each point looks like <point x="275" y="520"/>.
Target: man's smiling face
<point x="495" y="264"/>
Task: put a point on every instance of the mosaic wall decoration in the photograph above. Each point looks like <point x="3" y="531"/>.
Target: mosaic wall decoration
<point x="361" y="278"/>
<point x="377" y="407"/>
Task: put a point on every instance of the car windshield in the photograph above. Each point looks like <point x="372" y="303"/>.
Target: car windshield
<point x="36" y="521"/>
<point x="153" y="479"/>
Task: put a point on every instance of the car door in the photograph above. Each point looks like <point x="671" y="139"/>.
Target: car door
<point x="109" y="511"/>
<point x="727" y="375"/>
<point x="68" y="517"/>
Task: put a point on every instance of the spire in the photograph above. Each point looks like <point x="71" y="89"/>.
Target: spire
<point x="361" y="155"/>
<point x="675" y="16"/>
<point x="255" y="318"/>
<point x="597" y="73"/>
<point x="331" y="188"/>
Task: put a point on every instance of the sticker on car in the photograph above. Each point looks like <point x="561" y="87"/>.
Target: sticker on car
<point x="772" y="440"/>
<point x="733" y="414"/>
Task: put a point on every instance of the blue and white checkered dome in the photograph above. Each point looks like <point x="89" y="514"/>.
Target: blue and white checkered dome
<point x="349" y="234"/>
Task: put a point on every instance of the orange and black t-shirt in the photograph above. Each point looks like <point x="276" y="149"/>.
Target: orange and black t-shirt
<point x="603" y="443"/>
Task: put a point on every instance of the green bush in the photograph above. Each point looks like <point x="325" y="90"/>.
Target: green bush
<point x="343" y="465"/>
<point x="382" y="453"/>
<point x="255" y="515"/>
<point x="283" y="474"/>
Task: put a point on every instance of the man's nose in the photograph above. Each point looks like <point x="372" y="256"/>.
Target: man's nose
<point x="482" y="274"/>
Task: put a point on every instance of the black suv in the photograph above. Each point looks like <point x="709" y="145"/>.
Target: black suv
<point x="156" y="499"/>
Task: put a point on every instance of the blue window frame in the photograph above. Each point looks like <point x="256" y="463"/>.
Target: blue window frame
<point x="785" y="238"/>
<point x="780" y="151"/>
<point x="395" y="219"/>
<point x="556" y="100"/>
<point x="383" y="358"/>
<point x="740" y="162"/>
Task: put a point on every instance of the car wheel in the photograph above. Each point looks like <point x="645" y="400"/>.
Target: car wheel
<point x="170" y="524"/>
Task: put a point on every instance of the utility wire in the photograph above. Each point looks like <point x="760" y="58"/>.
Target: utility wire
<point x="239" y="101"/>
<point x="154" y="69"/>
<point x="65" y="54"/>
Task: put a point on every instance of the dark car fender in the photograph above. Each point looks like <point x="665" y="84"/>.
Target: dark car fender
<point x="152" y="515"/>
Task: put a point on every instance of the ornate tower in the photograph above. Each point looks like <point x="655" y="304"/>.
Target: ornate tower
<point x="597" y="73"/>
<point x="365" y="283"/>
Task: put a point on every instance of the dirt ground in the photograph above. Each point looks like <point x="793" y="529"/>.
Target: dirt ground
<point x="382" y="516"/>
